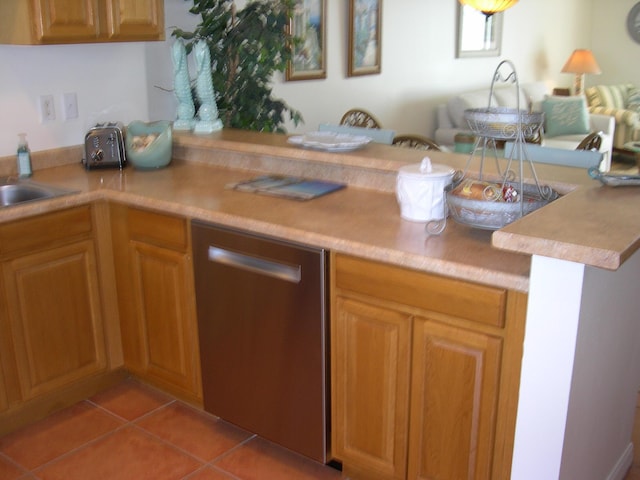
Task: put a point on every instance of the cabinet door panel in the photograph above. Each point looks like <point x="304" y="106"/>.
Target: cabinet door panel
<point x="4" y="401"/>
<point x="156" y="300"/>
<point x="165" y="313"/>
<point x="55" y="346"/>
<point x="371" y="379"/>
<point x="66" y="19"/>
<point x="139" y="19"/>
<point x="453" y="402"/>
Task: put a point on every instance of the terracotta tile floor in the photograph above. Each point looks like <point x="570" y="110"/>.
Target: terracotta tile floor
<point x="134" y="432"/>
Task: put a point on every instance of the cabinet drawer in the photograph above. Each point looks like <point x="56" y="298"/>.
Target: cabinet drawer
<point x="158" y="229"/>
<point x="471" y="301"/>
<point x="44" y="230"/>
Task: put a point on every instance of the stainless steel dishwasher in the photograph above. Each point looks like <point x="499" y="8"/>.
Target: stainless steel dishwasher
<point x="262" y="327"/>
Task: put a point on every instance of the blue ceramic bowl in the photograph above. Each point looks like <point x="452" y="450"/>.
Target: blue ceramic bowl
<point x="148" y="145"/>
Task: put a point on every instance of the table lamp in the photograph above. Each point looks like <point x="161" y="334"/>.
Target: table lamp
<point x="580" y="62"/>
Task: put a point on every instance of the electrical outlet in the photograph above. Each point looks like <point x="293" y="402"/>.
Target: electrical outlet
<point x="70" y="102"/>
<point x="47" y="108"/>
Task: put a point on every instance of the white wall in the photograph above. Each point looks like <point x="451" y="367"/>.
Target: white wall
<point x="606" y="376"/>
<point x="616" y="53"/>
<point x="109" y="80"/>
<point x="419" y="69"/>
<point x="163" y="103"/>
<point x="553" y="310"/>
<point x="580" y="372"/>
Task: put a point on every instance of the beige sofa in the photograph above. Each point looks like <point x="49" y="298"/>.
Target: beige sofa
<point x="621" y="102"/>
<point x="450" y="116"/>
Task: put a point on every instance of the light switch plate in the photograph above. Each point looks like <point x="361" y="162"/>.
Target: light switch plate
<point x="47" y="108"/>
<point x="70" y="102"/>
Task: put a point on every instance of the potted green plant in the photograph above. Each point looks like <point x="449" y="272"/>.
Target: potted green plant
<point x="247" y="46"/>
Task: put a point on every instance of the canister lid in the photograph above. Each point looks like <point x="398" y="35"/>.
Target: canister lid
<point x="426" y="169"/>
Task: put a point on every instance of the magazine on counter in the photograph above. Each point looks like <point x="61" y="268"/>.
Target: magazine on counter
<point x="289" y="187"/>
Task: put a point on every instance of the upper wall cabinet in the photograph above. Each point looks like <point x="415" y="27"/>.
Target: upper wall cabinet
<point x="134" y="19"/>
<point x="40" y="22"/>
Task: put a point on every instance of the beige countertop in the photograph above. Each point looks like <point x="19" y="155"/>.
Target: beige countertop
<point x="595" y="225"/>
<point x="591" y="224"/>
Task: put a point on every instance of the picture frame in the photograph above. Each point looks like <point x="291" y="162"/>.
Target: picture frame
<point x="479" y="35"/>
<point x="365" y="39"/>
<point x="308" y="26"/>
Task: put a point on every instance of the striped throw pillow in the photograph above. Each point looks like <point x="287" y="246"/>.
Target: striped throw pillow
<point x="633" y="102"/>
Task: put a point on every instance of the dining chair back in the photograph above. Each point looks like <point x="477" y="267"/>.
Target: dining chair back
<point x="416" y="141"/>
<point x="357" y="117"/>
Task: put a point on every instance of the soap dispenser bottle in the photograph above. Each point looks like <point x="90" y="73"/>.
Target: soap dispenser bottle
<point x="24" y="157"/>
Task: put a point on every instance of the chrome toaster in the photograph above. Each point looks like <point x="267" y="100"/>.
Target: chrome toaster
<point x="104" y="146"/>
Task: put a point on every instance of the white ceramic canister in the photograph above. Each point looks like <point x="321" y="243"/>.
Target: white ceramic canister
<point x="420" y="190"/>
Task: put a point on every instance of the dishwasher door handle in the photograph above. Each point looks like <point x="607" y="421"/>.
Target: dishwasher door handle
<point x="290" y="273"/>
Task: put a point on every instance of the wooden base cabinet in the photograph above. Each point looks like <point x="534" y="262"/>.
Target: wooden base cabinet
<point x="370" y="383"/>
<point x="51" y="325"/>
<point x="425" y="373"/>
<point x="4" y="403"/>
<point x="34" y="22"/>
<point x="453" y="401"/>
<point x="156" y="300"/>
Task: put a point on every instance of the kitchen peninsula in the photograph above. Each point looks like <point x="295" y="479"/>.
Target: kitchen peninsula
<point x="575" y="260"/>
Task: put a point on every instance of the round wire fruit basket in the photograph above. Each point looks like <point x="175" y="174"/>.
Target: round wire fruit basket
<point x="503" y="123"/>
<point x="510" y="197"/>
<point x="495" y="214"/>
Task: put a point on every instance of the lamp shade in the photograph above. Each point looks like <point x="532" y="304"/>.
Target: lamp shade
<point x="489" y="7"/>
<point x="581" y="61"/>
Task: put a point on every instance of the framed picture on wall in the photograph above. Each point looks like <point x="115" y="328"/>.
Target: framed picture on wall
<point x="308" y="27"/>
<point x="365" y="22"/>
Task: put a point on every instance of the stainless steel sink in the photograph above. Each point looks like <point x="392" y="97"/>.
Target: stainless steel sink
<point x="14" y="191"/>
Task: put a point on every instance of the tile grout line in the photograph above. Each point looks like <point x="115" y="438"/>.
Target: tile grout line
<point x="33" y="471"/>
<point x="23" y="470"/>
<point x="126" y="423"/>
<point x="205" y="463"/>
<point x="204" y="467"/>
<point x="202" y="464"/>
<point x="76" y="449"/>
<point x="144" y="415"/>
<point x="212" y="462"/>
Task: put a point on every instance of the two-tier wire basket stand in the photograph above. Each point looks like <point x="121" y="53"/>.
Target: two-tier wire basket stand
<point x="507" y="197"/>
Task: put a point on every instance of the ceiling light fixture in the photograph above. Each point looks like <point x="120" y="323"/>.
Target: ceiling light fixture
<point x="489" y="7"/>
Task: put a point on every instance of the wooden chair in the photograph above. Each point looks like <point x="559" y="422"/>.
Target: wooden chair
<point x="591" y="142"/>
<point x="416" y="141"/>
<point x="360" y="118"/>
